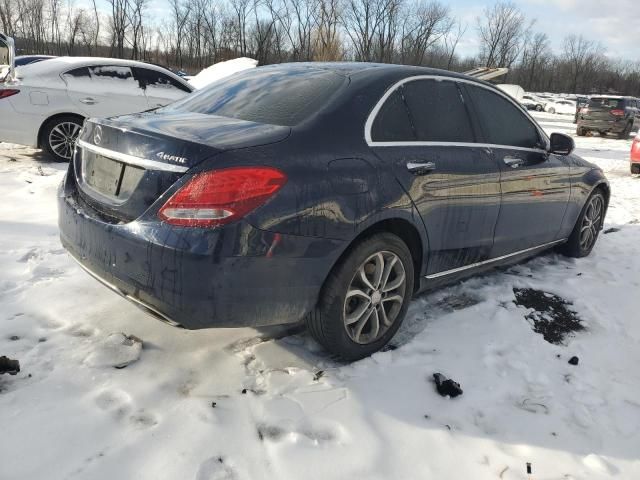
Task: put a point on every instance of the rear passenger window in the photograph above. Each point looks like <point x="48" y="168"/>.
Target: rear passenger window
<point x="438" y="111"/>
<point x="502" y="122"/>
<point x="115" y="79"/>
<point x="392" y="123"/>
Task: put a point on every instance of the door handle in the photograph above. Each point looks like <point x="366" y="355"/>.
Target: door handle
<point x="421" y="168"/>
<point x="88" y="101"/>
<point x="513" y="162"/>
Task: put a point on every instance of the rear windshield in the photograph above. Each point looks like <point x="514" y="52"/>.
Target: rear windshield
<point x="604" y="102"/>
<point x="266" y="95"/>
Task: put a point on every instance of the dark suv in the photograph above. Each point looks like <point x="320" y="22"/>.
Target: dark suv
<point x="610" y="114"/>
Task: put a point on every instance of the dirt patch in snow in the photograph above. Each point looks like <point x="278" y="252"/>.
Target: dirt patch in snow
<point x="551" y="317"/>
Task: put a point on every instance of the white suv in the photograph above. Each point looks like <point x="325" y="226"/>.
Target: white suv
<point x="47" y="102"/>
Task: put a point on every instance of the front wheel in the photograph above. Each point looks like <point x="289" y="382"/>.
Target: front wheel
<point x="551" y="110"/>
<point x="587" y="228"/>
<point x="539" y="108"/>
<point x="59" y="136"/>
<point x="581" y="132"/>
<point x="365" y="298"/>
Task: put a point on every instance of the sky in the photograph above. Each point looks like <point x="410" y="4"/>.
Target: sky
<point x="616" y="26"/>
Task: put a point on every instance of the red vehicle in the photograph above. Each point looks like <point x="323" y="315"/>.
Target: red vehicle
<point x="635" y="155"/>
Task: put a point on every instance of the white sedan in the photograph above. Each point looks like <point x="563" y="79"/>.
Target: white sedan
<point x="47" y="102"/>
<point x="567" y="107"/>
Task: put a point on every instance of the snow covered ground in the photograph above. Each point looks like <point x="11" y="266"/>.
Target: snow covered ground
<point x="242" y="404"/>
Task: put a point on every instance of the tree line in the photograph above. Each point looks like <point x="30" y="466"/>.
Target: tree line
<point x="193" y="34"/>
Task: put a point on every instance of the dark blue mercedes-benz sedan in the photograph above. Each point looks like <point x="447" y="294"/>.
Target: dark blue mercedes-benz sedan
<point x="329" y="193"/>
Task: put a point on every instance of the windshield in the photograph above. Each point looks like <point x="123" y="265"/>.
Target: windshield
<point x="277" y="96"/>
<point x="604" y="102"/>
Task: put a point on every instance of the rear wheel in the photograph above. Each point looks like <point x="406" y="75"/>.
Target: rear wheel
<point x="551" y="110"/>
<point x="539" y="108"/>
<point x="626" y="132"/>
<point x="59" y="136"/>
<point x="581" y="132"/>
<point x="635" y="168"/>
<point x="365" y="298"/>
<point x="587" y="228"/>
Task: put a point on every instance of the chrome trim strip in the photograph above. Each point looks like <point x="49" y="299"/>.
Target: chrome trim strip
<point x="492" y="260"/>
<point x="454" y="144"/>
<point x="387" y="94"/>
<point x="132" y="160"/>
<point x="159" y="315"/>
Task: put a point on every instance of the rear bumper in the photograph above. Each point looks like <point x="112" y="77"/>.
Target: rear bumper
<point x="228" y="277"/>
<point x="17" y="127"/>
<point x="613" y="126"/>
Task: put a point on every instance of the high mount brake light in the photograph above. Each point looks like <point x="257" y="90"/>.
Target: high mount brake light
<point x="219" y="197"/>
<point x="8" y="92"/>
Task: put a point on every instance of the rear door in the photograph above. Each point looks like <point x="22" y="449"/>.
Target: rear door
<point x="159" y="88"/>
<point x="423" y="130"/>
<point x="535" y="185"/>
<point x="105" y="90"/>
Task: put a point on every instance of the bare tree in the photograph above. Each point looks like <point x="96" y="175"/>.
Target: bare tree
<point x="501" y="30"/>
<point x="579" y="53"/>
<point x="424" y="24"/>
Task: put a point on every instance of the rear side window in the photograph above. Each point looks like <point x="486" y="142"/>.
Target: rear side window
<point x="392" y="123"/>
<point x="502" y="122"/>
<point x="157" y="80"/>
<point x="438" y="111"/>
<point x="114" y="79"/>
<point x="285" y="96"/>
<point x="82" y="72"/>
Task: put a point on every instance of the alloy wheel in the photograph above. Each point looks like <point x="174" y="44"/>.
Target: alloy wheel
<point x="591" y="222"/>
<point x="62" y="139"/>
<point x="375" y="297"/>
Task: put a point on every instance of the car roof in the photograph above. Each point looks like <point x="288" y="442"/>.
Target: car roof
<point x="62" y="64"/>
<point x="617" y="97"/>
<point x="355" y="68"/>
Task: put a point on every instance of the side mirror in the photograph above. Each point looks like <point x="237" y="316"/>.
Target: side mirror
<point x="561" y="144"/>
<point x="7" y="57"/>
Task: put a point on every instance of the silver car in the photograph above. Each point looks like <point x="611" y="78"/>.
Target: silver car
<point x="44" y="104"/>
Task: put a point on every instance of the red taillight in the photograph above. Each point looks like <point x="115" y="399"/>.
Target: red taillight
<point x="219" y="197"/>
<point x="584" y="110"/>
<point x="617" y="113"/>
<point x="8" y="92"/>
<point x="635" y="149"/>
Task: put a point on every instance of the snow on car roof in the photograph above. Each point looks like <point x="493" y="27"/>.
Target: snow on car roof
<point x="65" y="63"/>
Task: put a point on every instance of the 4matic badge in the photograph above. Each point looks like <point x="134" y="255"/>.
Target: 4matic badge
<point x="171" y="158"/>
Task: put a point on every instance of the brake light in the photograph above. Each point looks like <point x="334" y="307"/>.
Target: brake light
<point x="617" y="113"/>
<point x="8" y="92"/>
<point x="584" y="110"/>
<point x="219" y="197"/>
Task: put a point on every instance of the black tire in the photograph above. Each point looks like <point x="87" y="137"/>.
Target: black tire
<point x="58" y="135"/>
<point x="328" y="322"/>
<point x="626" y="132"/>
<point x="575" y="246"/>
<point x="539" y="108"/>
<point x="635" y="168"/>
<point x="581" y="132"/>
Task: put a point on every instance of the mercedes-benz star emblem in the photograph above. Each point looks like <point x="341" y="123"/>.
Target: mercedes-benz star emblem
<point x="97" y="135"/>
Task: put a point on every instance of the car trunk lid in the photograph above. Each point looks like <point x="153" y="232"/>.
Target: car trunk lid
<point x="123" y="165"/>
<point x="602" y="108"/>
